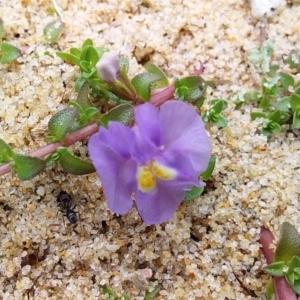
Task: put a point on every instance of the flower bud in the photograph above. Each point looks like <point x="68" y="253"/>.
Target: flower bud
<point x="108" y="67"/>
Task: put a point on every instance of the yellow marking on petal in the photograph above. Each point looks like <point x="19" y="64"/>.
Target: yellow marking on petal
<point x="145" y="179"/>
<point x="163" y="172"/>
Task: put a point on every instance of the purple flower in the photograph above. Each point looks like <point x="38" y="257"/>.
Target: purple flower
<point x="154" y="162"/>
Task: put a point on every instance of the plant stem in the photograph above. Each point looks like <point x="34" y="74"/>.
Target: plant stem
<point x="282" y="289"/>
<point x="50" y="148"/>
<point x="160" y="97"/>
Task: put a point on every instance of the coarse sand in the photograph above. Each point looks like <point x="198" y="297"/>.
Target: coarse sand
<point x="209" y="249"/>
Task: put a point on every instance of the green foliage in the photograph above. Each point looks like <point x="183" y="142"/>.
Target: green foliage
<point x="150" y="295"/>
<point x="53" y="31"/>
<point x="27" y="167"/>
<point x="122" y="113"/>
<point x="287" y="257"/>
<point x="111" y="295"/>
<point x="163" y="81"/>
<point x="279" y="96"/>
<point x="142" y="84"/>
<point x="9" y="52"/>
<point x="261" y="58"/>
<point x="213" y="114"/>
<point x="6" y="153"/>
<point x="190" y="89"/>
<point x="61" y="123"/>
<point x="72" y="164"/>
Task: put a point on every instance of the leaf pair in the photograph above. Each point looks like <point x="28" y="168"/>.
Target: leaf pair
<point x="26" y="167"/>
<point x="287" y="257"/>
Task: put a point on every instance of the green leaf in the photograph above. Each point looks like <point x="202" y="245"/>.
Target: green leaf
<point x="91" y="55"/>
<point x="79" y="83"/>
<point x="124" y="63"/>
<point x="256" y="115"/>
<point x="296" y="119"/>
<point x="6" y="153"/>
<point x="53" y="31"/>
<point x="267" y="50"/>
<point x="122" y="113"/>
<point x="142" y="84"/>
<point x="83" y="96"/>
<point x="273" y="70"/>
<point x="150" y="295"/>
<point x="286" y="81"/>
<point x="9" y="53"/>
<point x="74" y="60"/>
<point x="85" y="66"/>
<point x="283" y="104"/>
<point x="164" y="81"/>
<point x="293" y="60"/>
<point x="75" y="51"/>
<point x="275" y="116"/>
<point x="73" y="164"/>
<point x="194" y="193"/>
<point x="269" y="289"/>
<point x="210" y="167"/>
<point x="293" y="274"/>
<point x="60" y="124"/>
<point x="87" y="42"/>
<point x="295" y="102"/>
<point x="190" y="88"/>
<point x="276" y="269"/>
<point x="288" y="244"/>
<point x="252" y="96"/>
<point x="51" y="159"/>
<point x="218" y="105"/>
<point x="219" y="120"/>
<point x="271" y="127"/>
<point x="27" y="167"/>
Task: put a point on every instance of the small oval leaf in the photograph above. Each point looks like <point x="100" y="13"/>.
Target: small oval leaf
<point x="194" y="193"/>
<point x="6" y="153"/>
<point x="122" y="113"/>
<point x="72" y="164"/>
<point x="142" y="84"/>
<point x="9" y="53"/>
<point x="288" y="244"/>
<point x="28" y="167"/>
<point x="83" y="96"/>
<point x="60" y="124"/>
<point x="53" y="31"/>
<point x="211" y="165"/>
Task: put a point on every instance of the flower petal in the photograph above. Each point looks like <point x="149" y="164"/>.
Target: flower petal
<point x="147" y="132"/>
<point x="159" y="206"/>
<point x="118" y="137"/>
<point x="116" y="173"/>
<point x="183" y="130"/>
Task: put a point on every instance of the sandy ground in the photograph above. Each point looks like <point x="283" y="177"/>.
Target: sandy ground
<point x="209" y="249"/>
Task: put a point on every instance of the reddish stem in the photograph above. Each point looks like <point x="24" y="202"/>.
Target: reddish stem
<point x="50" y="148"/>
<point x="160" y="97"/>
<point x="282" y="289"/>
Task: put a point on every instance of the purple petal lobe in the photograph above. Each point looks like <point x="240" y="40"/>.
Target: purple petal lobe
<point x="183" y="130"/>
<point x="159" y="206"/>
<point x="118" y="138"/>
<point x="116" y="173"/>
<point x="147" y="132"/>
